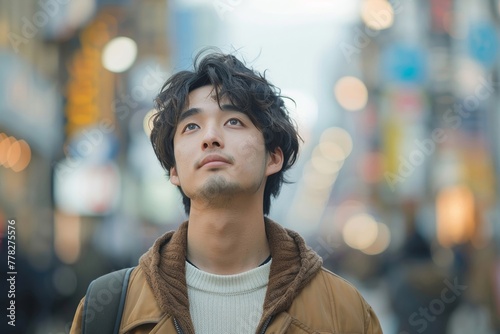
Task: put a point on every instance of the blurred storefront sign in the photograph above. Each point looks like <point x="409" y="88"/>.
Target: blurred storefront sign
<point x="97" y="145"/>
<point x="88" y="190"/>
<point x="480" y="174"/>
<point x="86" y="182"/>
<point x="466" y="159"/>
<point x="440" y="11"/>
<point x="90" y="87"/>
<point x="404" y="63"/>
<point x="404" y="108"/>
<point x="407" y="146"/>
<point x="29" y="105"/>
<point x="482" y="43"/>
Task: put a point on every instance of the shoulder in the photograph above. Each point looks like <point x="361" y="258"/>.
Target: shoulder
<point x="340" y="287"/>
<point x="335" y="291"/>
<point x="331" y="301"/>
<point x="140" y="308"/>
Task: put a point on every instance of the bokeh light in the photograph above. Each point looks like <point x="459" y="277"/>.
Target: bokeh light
<point x="338" y="136"/>
<point x="360" y="231"/>
<point x="332" y="151"/>
<point x="323" y="164"/>
<point x="119" y="54"/>
<point x="455" y="215"/>
<point x="148" y="122"/>
<point x="317" y="179"/>
<point x="5" y="145"/>
<point x="24" y="157"/>
<point x="381" y="242"/>
<point x="377" y="14"/>
<point x="351" y="93"/>
<point x="14" y="154"/>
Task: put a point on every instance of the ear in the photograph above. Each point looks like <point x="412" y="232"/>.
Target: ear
<point x="275" y="161"/>
<point x="174" y="177"/>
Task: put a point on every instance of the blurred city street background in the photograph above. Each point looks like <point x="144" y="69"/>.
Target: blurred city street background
<point x="396" y="185"/>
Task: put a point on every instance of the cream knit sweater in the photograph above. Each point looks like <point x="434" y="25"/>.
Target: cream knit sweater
<point x="226" y="304"/>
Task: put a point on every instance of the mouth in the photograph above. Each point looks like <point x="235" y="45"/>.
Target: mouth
<point x="214" y="160"/>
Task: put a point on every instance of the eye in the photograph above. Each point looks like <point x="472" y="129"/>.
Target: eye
<point x="190" y="127"/>
<point x="234" y="122"/>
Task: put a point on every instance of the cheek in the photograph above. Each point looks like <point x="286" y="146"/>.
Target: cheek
<point x="251" y="148"/>
<point x="180" y="161"/>
<point x="181" y="151"/>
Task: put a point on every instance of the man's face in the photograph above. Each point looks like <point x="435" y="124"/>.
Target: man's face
<point x="219" y="153"/>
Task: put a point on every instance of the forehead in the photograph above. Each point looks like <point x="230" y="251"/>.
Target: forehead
<point x="201" y="95"/>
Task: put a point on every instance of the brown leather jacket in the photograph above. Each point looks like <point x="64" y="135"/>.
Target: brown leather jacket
<point x="302" y="296"/>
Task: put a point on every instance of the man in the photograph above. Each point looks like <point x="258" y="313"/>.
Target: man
<point x="224" y="137"/>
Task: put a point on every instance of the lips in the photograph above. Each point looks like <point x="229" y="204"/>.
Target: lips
<point x="213" y="160"/>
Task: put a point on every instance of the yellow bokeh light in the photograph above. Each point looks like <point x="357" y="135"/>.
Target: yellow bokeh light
<point x="351" y="93"/>
<point x="324" y="165"/>
<point x="3" y="136"/>
<point x="377" y="14"/>
<point x="455" y="215"/>
<point x="25" y="157"/>
<point x="13" y="154"/>
<point x="382" y="241"/>
<point x="339" y="136"/>
<point x="5" y="144"/>
<point x="315" y="180"/>
<point x="332" y="151"/>
<point x="148" y="122"/>
<point x="345" y="210"/>
<point x="360" y="231"/>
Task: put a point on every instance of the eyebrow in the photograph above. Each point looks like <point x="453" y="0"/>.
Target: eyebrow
<point x="193" y="111"/>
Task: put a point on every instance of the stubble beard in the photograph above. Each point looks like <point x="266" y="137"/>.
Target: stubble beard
<point x="217" y="191"/>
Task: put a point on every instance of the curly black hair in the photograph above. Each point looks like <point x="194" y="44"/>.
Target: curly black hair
<point x="246" y="89"/>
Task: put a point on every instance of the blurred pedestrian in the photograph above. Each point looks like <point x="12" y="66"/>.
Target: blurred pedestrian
<point x="423" y="294"/>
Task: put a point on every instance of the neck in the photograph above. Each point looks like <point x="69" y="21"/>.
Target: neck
<point x="227" y="241"/>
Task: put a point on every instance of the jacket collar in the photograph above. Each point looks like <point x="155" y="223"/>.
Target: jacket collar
<point x="294" y="265"/>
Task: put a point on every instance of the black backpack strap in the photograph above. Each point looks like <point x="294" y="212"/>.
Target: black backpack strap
<point x="104" y="303"/>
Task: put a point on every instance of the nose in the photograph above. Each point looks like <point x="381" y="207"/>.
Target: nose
<point x="212" y="139"/>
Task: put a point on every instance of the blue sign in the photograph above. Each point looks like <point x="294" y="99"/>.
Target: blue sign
<point x="482" y="43"/>
<point x="403" y="63"/>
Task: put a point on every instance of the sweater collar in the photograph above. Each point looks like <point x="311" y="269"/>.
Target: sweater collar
<point x="294" y="265"/>
<point x="228" y="285"/>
